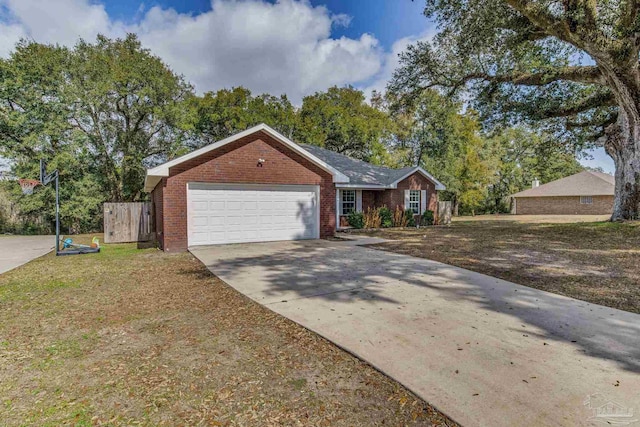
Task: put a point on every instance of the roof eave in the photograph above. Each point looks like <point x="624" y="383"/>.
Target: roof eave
<point x="439" y="186"/>
<point x="162" y="170"/>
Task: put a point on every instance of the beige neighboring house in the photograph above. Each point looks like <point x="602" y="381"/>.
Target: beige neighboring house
<point x="585" y="193"/>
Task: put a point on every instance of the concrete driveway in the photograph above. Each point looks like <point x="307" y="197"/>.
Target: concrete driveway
<point x="18" y="250"/>
<point x="485" y="351"/>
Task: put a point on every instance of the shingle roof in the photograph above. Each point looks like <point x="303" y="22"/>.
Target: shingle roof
<point x="346" y="171"/>
<point x="358" y="171"/>
<point x="585" y="183"/>
<point x="363" y="173"/>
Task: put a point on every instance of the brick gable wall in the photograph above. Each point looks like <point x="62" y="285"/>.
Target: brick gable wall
<point x="237" y="162"/>
<point x="602" y="205"/>
<point x="394" y="198"/>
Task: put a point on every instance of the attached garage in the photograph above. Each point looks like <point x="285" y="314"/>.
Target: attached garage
<point x="259" y="186"/>
<point x="242" y="213"/>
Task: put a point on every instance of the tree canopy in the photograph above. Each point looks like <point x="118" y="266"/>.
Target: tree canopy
<point x="229" y="111"/>
<point x="341" y="120"/>
<point x="102" y="112"/>
<point x="96" y="113"/>
<point x="571" y="64"/>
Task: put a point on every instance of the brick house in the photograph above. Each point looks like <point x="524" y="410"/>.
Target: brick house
<point x="585" y="193"/>
<point x="259" y="186"/>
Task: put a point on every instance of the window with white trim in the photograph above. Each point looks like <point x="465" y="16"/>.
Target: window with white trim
<point x="586" y="200"/>
<point x="348" y="201"/>
<point x="414" y="201"/>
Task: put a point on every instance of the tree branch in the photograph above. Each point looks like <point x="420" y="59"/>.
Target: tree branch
<point x="630" y="12"/>
<point x="542" y="18"/>
<point x="601" y="123"/>
<point x="584" y="74"/>
<point x="586" y="104"/>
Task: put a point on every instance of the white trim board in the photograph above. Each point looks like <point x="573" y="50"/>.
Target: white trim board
<point x="155" y="175"/>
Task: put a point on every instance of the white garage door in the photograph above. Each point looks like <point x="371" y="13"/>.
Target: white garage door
<point x="238" y="213"/>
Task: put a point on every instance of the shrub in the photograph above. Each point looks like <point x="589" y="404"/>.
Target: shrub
<point x="427" y="218"/>
<point x="386" y="217"/>
<point x="372" y="218"/>
<point x="399" y="218"/>
<point x="410" y="218"/>
<point x="356" y="219"/>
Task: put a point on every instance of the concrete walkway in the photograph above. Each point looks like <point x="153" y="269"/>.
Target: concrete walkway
<point x="18" y="250"/>
<point x="485" y="351"/>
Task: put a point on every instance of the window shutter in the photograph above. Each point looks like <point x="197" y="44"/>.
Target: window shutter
<point x="339" y="204"/>
<point x="358" y="200"/>
<point x="423" y="201"/>
<point x="406" y="199"/>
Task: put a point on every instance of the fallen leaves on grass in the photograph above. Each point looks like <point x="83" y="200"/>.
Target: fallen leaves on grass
<point x="595" y="262"/>
<point x="147" y="338"/>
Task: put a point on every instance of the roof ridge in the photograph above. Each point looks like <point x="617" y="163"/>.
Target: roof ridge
<point x="599" y="175"/>
<point x="352" y="158"/>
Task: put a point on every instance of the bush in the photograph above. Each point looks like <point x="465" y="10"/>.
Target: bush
<point x="386" y="217"/>
<point x="427" y="218"/>
<point x="356" y="219"/>
<point x="410" y="218"/>
<point x="399" y="218"/>
<point x="372" y="218"/>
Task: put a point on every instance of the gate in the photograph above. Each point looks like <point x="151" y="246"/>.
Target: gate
<point x="129" y="222"/>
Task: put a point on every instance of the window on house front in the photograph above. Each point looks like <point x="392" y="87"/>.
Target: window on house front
<point x="586" y="200"/>
<point x="348" y="201"/>
<point x="414" y="201"/>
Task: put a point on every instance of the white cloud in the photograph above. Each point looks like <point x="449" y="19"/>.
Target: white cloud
<point x="392" y="61"/>
<point x="284" y="47"/>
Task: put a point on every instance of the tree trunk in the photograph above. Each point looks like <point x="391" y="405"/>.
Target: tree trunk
<point x="624" y="148"/>
<point x="456" y="206"/>
<point x="622" y="143"/>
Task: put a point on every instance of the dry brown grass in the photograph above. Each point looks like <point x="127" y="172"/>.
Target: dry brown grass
<point x="597" y="262"/>
<point x="140" y="337"/>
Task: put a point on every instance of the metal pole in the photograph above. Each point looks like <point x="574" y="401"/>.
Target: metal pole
<point x="57" y="217"/>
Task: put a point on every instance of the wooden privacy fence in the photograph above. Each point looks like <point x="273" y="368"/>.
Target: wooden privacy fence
<point x="444" y="213"/>
<point x="128" y="222"/>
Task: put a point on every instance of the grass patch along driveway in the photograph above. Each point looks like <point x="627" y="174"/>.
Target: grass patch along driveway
<point x="129" y="337"/>
<point x="596" y="262"/>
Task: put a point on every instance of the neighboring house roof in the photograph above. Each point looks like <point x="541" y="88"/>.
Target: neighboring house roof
<point x="585" y="183"/>
<point x="363" y="174"/>
<point x="347" y="172"/>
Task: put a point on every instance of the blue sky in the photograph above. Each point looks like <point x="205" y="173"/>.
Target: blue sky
<point x="295" y="47"/>
<point x="401" y="18"/>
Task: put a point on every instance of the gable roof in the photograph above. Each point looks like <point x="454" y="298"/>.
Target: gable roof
<point x="585" y="183"/>
<point x="155" y="175"/>
<point x="346" y="171"/>
<point x="363" y="174"/>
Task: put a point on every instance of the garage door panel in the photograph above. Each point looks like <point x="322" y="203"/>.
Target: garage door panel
<point x="200" y="206"/>
<point x="215" y="205"/>
<point x="235" y="213"/>
<point x="200" y="221"/>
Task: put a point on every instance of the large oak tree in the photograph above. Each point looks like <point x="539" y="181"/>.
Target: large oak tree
<point x="572" y="64"/>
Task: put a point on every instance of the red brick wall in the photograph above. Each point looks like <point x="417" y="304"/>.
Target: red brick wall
<point x="395" y="197"/>
<point x="237" y="163"/>
<point x="368" y="199"/>
<point x="602" y="205"/>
